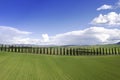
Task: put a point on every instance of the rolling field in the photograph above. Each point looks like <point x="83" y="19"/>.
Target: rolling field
<point x="15" y="66"/>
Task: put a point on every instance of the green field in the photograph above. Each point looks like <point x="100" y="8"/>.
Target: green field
<point x="21" y="66"/>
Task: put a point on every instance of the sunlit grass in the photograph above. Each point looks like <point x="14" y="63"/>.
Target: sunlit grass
<point x="17" y="66"/>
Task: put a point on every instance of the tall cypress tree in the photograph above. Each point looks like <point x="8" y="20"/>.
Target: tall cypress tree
<point x="94" y="51"/>
<point x="100" y="52"/>
<point x="63" y="51"/>
<point x="15" y="49"/>
<point x="115" y="49"/>
<point x="5" y="48"/>
<point x="50" y="50"/>
<point x="21" y="49"/>
<point x="12" y="48"/>
<point x="119" y="51"/>
<point x="53" y="51"/>
<point x="40" y="50"/>
<point x="109" y="51"/>
<point x="112" y="51"/>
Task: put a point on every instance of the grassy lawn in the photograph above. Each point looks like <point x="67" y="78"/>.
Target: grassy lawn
<point x="14" y="66"/>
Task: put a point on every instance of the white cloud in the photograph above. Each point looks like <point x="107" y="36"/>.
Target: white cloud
<point x="9" y="34"/>
<point x="104" y="7"/>
<point x="45" y="38"/>
<point x="111" y="19"/>
<point x="92" y="35"/>
<point x="11" y="30"/>
<point x="25" y="40"/>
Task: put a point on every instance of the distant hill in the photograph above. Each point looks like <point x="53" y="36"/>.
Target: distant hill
<point x="118" y="43"/>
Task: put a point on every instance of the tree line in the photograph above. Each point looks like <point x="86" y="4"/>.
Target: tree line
<point x="71" y="51"/>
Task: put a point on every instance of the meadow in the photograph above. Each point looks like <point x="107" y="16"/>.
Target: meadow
<point x="25" y="66"/>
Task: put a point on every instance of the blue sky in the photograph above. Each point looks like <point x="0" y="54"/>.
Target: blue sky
<point x="49" y="16"/>
<point x="52" y="17"/>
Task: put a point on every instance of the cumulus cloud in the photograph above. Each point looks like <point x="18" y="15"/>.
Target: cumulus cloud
<point x="104" y="7"/>
<point x="45" y="38"/>
<point x="25" y="40"/>
<point x="9" y="34"/>
<point x="88" y="36"/>
<point x="110" y="19"/>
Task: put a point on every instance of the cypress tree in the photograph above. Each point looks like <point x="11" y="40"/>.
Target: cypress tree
<point x="5" y="48"/>
<point x="103" y="51"/>
<point x="112" y="51"/>
<point x="119" y="51"/>
<point x="2" y="47"/>
<point x="45" y="50"/>
<point x="33" y="50"/>
<point x="86" y="51"/>
<point x="97" y="52"/>
<point x="57" y="50"/>
<point x="53" y="51"/>
<point x="63" y="51"/>
<point x="106" y="51"/>
<point x="40" y="50"/>
<point x="90" y="51"/>
<point x="22" y="49"/>
<point x="99" y="49"/>
<point x="60" y="51"/>
<point x="30" y="49"/>
<point x="50" y="50"/>
<point x="15" y="49"/>
<point x="8" y="49"/>
<point x="94" y="51"/>
<point x="18" y="48"/>
<point x="12" y="48"/>
<point x="73" y="51"/>
<point x="67" y="51"/>
<point x="109" y="51"/>
<point x="70" y="51"/>
<point x="115" y="49"/>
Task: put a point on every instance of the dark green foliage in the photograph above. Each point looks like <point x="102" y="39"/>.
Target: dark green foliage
<point x="71" y="51"/>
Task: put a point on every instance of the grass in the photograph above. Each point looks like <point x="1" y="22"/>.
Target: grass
<point x="15" y="66"/>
